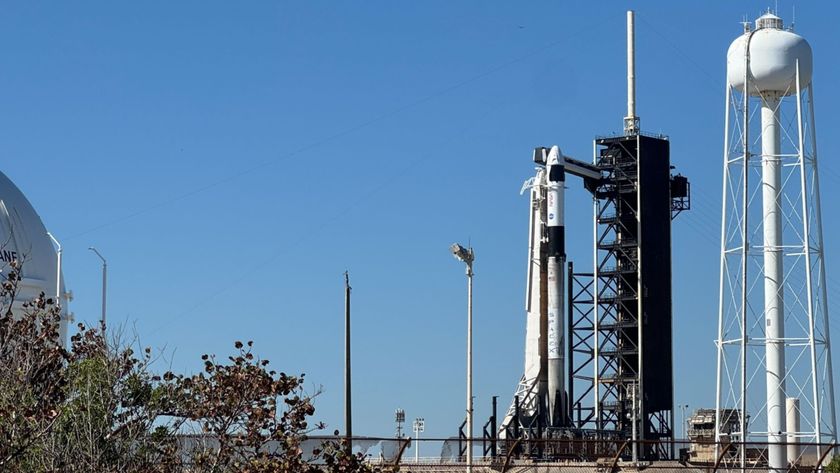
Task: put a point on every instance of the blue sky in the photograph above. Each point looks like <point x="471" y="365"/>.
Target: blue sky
<point x="232" y="160"/>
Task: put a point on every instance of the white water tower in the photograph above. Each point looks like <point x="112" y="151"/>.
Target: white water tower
<point x="773" y="334"/>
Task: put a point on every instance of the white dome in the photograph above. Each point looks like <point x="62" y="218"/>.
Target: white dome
<point x="23" y="237"/>
<point x="773" y="56"/>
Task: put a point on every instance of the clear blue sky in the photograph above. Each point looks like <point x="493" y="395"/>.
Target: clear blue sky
<point x="232" y="159"/>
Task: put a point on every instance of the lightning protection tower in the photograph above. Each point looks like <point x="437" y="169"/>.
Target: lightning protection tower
<point x="774" y="382"/>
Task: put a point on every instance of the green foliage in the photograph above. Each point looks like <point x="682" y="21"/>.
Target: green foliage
<point x="833" y="466"/>
<point x="99" y="407"/>
<point x="257" y="418"/>
<point x="32" y="387"/>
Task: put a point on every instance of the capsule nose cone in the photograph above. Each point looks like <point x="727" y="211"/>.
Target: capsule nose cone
<point x="554" y="155"/>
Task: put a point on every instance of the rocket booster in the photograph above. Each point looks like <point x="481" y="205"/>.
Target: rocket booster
<point x="555" y="181"/>
<point x="542" y="390"/>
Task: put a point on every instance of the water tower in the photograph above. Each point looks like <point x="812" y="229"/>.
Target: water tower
<point x="773" y="350"/>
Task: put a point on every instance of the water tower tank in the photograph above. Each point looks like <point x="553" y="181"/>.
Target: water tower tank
<point x="23" y="237"/>
<point x="773" y="53"/>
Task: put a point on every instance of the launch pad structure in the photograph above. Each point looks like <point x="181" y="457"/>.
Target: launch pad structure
<point x="598" y="379"/>
<point x="585" y="373"/>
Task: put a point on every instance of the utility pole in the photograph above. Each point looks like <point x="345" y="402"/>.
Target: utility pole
<point x="348" y="412"/>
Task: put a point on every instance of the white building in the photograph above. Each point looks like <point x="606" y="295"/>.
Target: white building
<point x="24" y="237"/>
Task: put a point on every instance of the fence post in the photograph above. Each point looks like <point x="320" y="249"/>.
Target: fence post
<point x="822" y="457"/>
<point x="509" y="452"/>
<point x="398" y="459"/>
<point x="720" y="457"/>
<point x="613" y="467"/>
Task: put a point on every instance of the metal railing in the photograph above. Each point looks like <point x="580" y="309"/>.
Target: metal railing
<point x="574" y="455"/>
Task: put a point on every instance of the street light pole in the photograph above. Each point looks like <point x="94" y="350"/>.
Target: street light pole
<point x="468" y="256"/>
<point x="683" y="407"/>
<point x="62" y="328"/>
<point x="399" y="417"/>
<point x="469" y="365"/>
<point x="104" y="283"/>
<point x="57" y="270"/>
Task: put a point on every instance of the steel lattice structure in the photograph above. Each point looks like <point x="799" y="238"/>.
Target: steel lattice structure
<point x="581" y="345"/>
<point x="773" y="332"/>
<point x="632" y="288"/>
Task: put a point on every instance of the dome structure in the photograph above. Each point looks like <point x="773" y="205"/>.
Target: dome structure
<point x="773" y="55"/>
<point x="24" y="238"/>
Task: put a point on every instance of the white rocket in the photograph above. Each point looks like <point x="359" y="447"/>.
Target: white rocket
<point x="556" y="177"/>
<point x="541" y="392"/>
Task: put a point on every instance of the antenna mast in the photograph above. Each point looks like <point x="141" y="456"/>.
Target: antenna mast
<point x="631" y="121"/>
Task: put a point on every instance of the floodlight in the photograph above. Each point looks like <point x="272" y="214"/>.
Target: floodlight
<point x="463" y="254"/>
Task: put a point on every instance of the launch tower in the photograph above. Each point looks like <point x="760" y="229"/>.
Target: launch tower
<point x="603" y="369"/>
